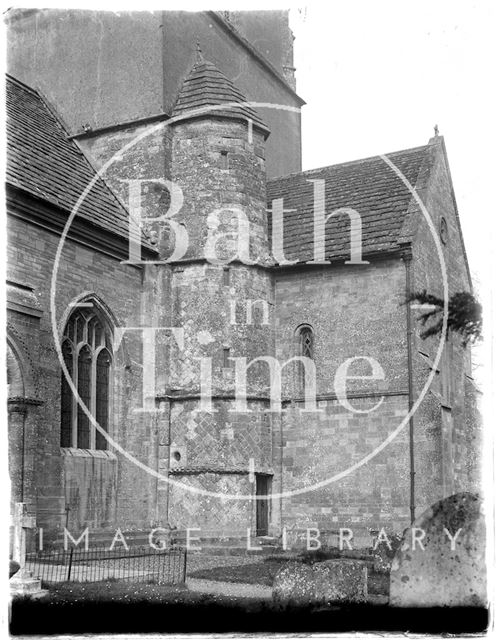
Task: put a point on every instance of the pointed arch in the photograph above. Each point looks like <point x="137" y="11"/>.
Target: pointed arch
<point x="21" y="356"/>
<point x="87" y="341"/>
<point x="15" y="378"/>
<point x="98" y="304"/>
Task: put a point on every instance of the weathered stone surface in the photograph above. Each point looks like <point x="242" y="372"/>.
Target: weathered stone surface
<point x="294" y="584"/>
<point x="384" y="553"/>
<point x="25" y="585"/>
<point x="322" y="582"/>
<point x="438" y="575"/>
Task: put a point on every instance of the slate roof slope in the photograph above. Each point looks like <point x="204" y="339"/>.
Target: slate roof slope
<point x="206" y="86"/>
<point x="44" y="162"/>
<point x="369" y="186"/>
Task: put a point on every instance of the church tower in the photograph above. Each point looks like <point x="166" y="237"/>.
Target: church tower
<point x="221" y="295"/>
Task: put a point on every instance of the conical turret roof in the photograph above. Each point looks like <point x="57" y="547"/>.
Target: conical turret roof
<point x="206" y="86"/>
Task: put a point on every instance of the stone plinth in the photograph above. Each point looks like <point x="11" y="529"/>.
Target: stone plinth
<point x="24" y="584"/>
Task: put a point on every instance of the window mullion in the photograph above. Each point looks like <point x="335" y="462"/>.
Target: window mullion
<point x="84" y="371"/>
<point x="74" y="413"/>
<point x="93" y="399"/>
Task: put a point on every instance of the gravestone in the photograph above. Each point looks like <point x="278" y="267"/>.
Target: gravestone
<point x="332" y="581"/>
<point x="13" y="568"/>
<point x="22" y="582"/>
<point x="443" y="572"/>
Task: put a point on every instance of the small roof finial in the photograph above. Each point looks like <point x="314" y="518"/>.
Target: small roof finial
<point x="435" y="129"/>
<point x="198" y="55"/>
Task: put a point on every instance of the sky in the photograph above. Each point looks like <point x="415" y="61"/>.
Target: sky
<point x="377" y="76"/>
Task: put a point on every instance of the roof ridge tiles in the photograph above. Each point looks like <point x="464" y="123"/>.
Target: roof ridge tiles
<point x="22" y="84"/>
<point x="348" y="163"/>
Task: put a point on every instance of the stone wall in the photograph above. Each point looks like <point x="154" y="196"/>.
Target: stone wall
<point x="56" y="477"/>
<point x="447" y="429"/>
<point x="98" y="67"/>
<point x="90" y="488"/>
<point x="131" y="65"/>
<point x="353" y="311"/>
<point x="358" y="311"/>
<point x="23" y="320"/>
<point x="319" y="448"/>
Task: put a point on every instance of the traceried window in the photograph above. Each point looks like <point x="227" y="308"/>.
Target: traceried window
<point x="87" y="353"/>
<point x="305" y="337"/>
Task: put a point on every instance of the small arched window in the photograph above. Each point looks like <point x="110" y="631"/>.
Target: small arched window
<point x="305" y="347"/>
<point x="87" y="353"/>
<point x="306" y="340"/>
<point x="444" y="232"/>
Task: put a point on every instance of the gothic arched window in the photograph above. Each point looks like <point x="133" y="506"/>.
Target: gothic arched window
<point x="305" y="338"/>
<point x="87" y="353"/>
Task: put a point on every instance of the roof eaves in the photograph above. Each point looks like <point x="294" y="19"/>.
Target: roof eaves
<point x="93" y="169"/>
<point x="25" y="86"/>
<point x="217" y="114"/>
<point x="21" y="194"/>
<point x="339" y="260"/>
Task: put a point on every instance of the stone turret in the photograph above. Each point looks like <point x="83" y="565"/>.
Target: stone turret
<point x="222" y="297"/>
<point x="218" y="157"/>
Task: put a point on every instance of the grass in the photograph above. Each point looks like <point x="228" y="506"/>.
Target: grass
<point x="115" y="591"/>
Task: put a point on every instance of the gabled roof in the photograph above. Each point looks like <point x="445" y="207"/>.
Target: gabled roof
<point x="206" y="86"/>
<point x="369" y="186"/>
<point x="42" y="161"/>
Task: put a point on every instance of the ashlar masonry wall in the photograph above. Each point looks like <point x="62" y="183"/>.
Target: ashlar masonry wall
<point x="447" y="425"/>
<point x="353" y="311"/>
<point x="101" y="489"/>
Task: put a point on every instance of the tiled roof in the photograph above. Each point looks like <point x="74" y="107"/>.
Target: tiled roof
<point x="206" y="86"/>
<point x="44" y="162"/>
<point x="369" y="186"/>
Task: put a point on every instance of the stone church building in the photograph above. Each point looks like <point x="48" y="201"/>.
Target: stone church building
<point x="115" y="333"/>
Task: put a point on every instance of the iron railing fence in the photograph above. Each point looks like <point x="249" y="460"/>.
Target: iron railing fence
<point x="96" y="564"/>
